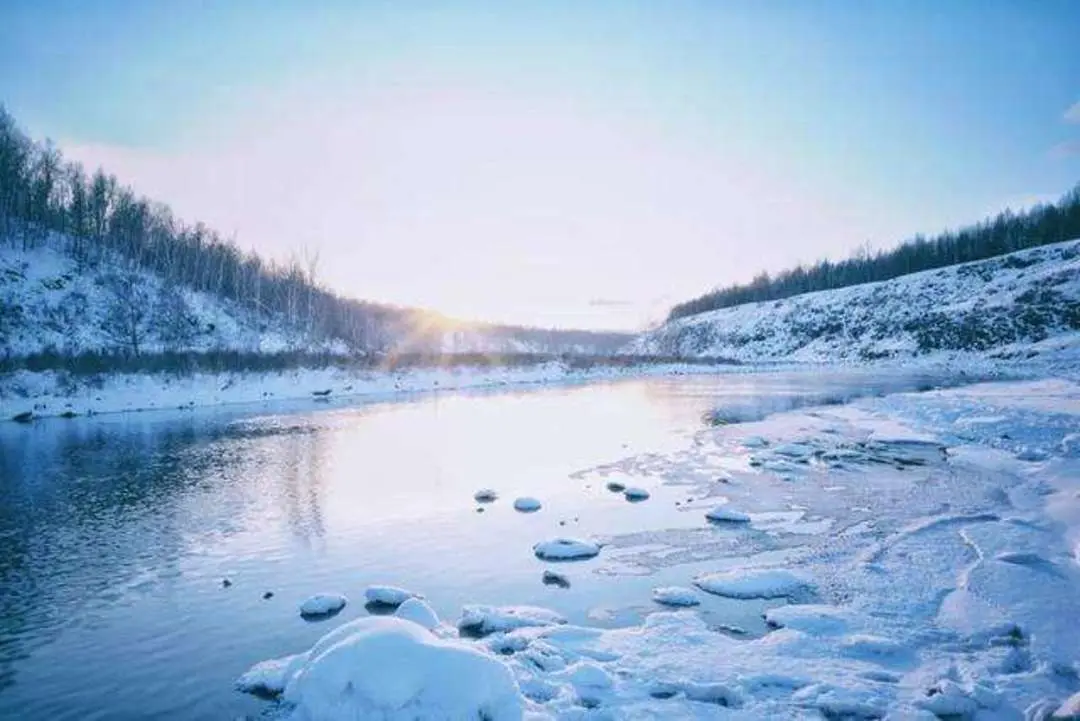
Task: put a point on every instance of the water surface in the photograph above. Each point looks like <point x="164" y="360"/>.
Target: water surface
<point x="116" y="532"/>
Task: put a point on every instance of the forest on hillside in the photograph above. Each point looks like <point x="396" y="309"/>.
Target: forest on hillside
<point x="1005" y="233"/>
<point x="105" y="225"/>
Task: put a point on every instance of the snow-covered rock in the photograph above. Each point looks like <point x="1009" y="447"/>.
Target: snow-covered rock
<point x="481" y="620"/>
<point x="725" y="514"/>
<point x="526" y="504"/>
<point x="566" y="549"/>
<point x="323" y="604"/>
<point x="391" y="669"/>
<point x="419" y="612"/>
<point x="675" y="596"/>
<point x="268" y="678"/>
<point x="752" y="583"/>
<point x="388" y="595"/>
<point x="634" y="493"/>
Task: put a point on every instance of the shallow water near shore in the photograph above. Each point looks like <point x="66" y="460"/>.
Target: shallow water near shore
<point x="116" y="532"/>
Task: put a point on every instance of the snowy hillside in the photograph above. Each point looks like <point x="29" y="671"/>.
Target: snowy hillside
<point x="1001" y="306"/>
<point x="48" y="303"/>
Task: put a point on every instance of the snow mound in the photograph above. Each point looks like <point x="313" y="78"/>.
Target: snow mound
<point x="388" y="595"/>
<point x="417" y="611"/>
<point x="566" y="549"/>
<point x="752" y="583"/>
<point x="391" y="669"/>
<point x="675" y="596"/>
<point x="723" y="514"/>
<point x="813" y="620"/>
<point x="526" y="504"/>
<point x="323" y="604"/>
<point x="485" y="495"/>
<point x="268" y="678"/>
<point x="483" y="620"/>
<point x="636" y="494"/>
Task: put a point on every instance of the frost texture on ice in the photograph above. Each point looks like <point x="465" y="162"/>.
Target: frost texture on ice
<point x="526" y="504"/>
<point x="724" y="514"/>
<point x="566" y="549"/>
<point x="675" y="596"/>
<point x="482" y="620"/>
<point x="323" y="604"/>
<point x="387" y="595"/>
<point x="391" y="669"/>
<point x="752" y="583"/>
<point x="419" y="612"/>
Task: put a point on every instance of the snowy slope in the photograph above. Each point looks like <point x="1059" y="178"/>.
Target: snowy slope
<point x="49" y="303"/>
<point x="1002" y="305"/>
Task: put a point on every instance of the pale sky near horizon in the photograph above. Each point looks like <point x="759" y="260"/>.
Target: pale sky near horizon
<point x="557" y="163"/>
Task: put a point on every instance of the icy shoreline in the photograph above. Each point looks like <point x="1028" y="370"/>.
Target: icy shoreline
<point x="921" y="553"/>
<point x="50" y="394"/>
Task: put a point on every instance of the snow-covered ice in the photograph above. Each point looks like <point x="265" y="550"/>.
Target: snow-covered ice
<point x="566" y="549"/>
<point x="419" y="612"/>
<point x="725" y="514"/>
<point x="387" y="595"/>
<point x="675" y="596"/>
<point x="482" y="620"/>
<point x="526" y="504"/>
<point x="752" y="583"/>
<point x="323" y="604"/>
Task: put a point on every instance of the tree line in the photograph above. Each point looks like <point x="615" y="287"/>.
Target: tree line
<point x="1005" y="233"/>
<point x="45" y="198"/>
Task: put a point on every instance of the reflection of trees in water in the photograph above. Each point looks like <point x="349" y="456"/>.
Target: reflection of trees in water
<point x="303" y="484"/>
<point x="90" y="509"/>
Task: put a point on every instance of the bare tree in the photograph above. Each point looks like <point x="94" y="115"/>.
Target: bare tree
<point x="127" y="319"/>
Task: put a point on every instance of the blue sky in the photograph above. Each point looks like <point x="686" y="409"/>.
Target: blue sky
<point x="558" y="163"/>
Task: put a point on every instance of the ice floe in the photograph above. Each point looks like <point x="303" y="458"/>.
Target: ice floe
<point x="526" y="504"/>
<point x="323" y="604"/>
<point x="675" y="596"/>
<point x="387" y="595"/>
<point x="481" y="620"/>
<point x="752" y="583"/>
<point x="566" y="549"/>
<point x="724" y="514"/>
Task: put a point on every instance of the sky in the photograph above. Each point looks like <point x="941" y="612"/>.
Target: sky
<point x="561" y="164"/>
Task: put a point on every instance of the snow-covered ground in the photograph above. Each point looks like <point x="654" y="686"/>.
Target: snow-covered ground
<point x="52" y="393"/>
<point x="921" y="554"/>
<point x="1021" y="305"/>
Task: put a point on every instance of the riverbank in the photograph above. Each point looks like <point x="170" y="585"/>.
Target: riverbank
<point x="56" y="394"/>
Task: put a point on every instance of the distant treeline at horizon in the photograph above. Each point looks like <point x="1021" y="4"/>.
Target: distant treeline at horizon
<point x="1005" y="233"/>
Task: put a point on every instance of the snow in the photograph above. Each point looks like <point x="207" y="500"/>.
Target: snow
<point x="526" y="504"/>
<point x="675" y="596"/>
<point x="483" y="620"/>
<point x="392" y="669"/>
<point x="724" y="514"/>
<point x="323" y="604"/>
<point x="388" y="595"/>
<point x="948" y="588"/>
<point x="931" y="311"/>
<point x="419" y="612"/>
<point x="566" y="549"/>
<point x="635" y="493"/>
<point x="752" y="583"/>
<point x="268" y="678"/>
